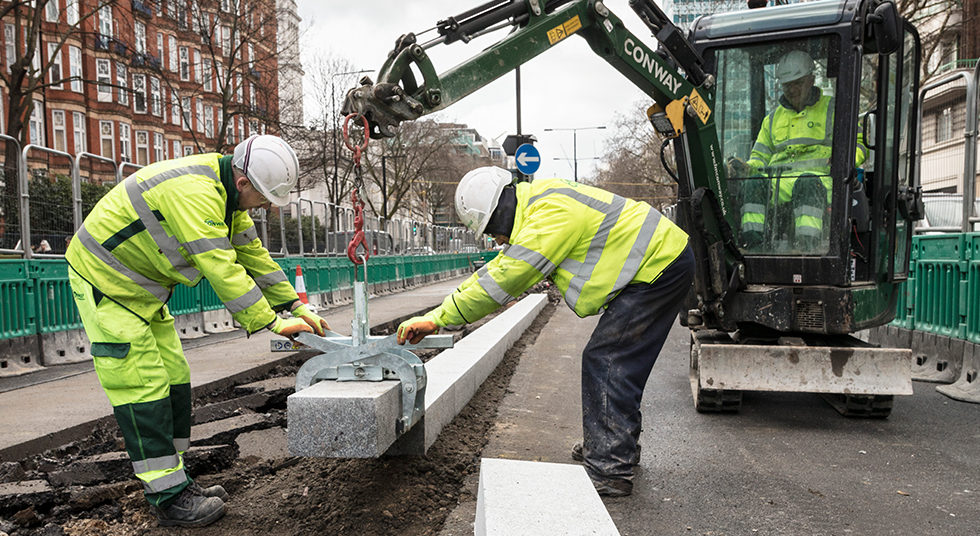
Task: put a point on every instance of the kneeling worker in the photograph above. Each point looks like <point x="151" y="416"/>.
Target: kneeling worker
<point x="176" y="222"/>
<point x="604" y="253"/>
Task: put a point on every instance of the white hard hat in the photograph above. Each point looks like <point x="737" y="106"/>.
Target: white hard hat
<point x="793" y="65"/>
<point x="477" y="196"/>
<point x="270" y="164"/>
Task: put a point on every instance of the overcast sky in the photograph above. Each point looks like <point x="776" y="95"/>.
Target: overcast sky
<point x="566" y="87"/>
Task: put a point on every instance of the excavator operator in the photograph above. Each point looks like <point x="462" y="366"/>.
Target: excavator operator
<point x="794" y="149"/>
<point x="604" y="253"/>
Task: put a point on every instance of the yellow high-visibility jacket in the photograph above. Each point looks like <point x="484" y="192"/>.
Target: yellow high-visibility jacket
<point x="590" y="242"/>
<point x="175" y="222"/>
<point x="801" y="142"/>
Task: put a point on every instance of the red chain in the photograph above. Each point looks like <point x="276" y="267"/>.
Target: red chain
<point x="358" y="238"/>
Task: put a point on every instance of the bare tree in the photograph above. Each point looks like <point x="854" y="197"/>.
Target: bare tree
<point x="940" y="24"/>
<point x="32" y="70"/>
<point x="631" y="166"/>
<point x="416" y="160"/>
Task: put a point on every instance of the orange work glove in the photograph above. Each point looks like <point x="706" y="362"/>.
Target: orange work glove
<point x="415" y="329"/>
<point x="290" y="328"/>
<point x="318" y="324"/>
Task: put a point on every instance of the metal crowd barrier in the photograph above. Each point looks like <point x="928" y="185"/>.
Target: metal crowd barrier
<point x="40" y="326"/>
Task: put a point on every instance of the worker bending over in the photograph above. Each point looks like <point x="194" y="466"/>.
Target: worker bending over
<point x="176" y="222"/>
<point x="604" y="253"/>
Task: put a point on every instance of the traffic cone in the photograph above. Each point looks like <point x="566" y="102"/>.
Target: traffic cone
<point x="301" y="285"/>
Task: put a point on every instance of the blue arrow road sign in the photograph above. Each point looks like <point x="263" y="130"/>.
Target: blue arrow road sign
<point x="528" y="159"/>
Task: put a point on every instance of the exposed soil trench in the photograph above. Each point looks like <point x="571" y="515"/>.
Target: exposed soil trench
<point x="280" y="495"/>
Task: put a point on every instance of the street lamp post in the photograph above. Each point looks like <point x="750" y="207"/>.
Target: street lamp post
<point x="574" y="143"/>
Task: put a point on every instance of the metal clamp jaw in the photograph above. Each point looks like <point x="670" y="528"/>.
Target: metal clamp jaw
<point x="381" y="358"/>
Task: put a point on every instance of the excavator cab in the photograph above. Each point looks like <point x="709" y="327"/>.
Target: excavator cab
<point x="815" y="119"/>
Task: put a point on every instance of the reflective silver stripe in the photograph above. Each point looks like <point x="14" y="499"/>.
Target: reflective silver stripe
<point x="753" y="208"/>
<point x="203" y="245"/>
<point x="100" y="252"/>
<point x="482" y="271"/>
<point x="491" y="287"/>
<point x="165" y="243"/>
<point x="174" y="479"/>
<point x="245" y="237"/>
<point x="267" y="280"/>
<point x="537" y="261"/>
<point x="752" y="226"/>
<point x="182" y="444"/>
<point x="584" y="269"/>
<point x="762" y="148"/>
<point x="637" y="252"/>
<point x="170" y="461"/>
<point x="163" y="176"/>
<point x="809" y="230"/>
<point x="813" y="212"/>
<point x="245" y="301"/>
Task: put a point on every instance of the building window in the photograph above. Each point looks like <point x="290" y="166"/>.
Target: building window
<point x="207" y="76"/>
<point x="185" y="67"/>
<point x="103" y="73"/>
<point x="58" y="128"/>
<point x="188" y="150"/>
<point x="54" y="58"/>
<point x="177" y="149"/>
<point x="200" y="115"/>
<point x="75" y="68"/>
<point x="142" y="147"/>
<point x="159" y="6"/>
<point x="171" y="8"/>
<point x="105" y="21"/>
<point x="37" y="123"/>
<point x="139" y="93"/>
<point x="156" y="100"/>
<point x="195" y="17"/>
<point x="173" y="54"/>
<point x="160" y="47"/>
<point x="78" y="126"/>
<point x="125" y="143"/>
<point x="139" y="32"/>
<point x="253" y="128"/>
<point x="251" y="95"/>
<point x="238" y="88"/>
<point x="174" y="108"/>
<point x="226" y="5"/>
<point x="944" y="125"/>
<point x="51" y="11"/>
<point x="10" y="44"/>
<point x="123" y="83"/>
<point x="230" y="131"/>
<point x="226" y="40"/>
<point x="185" y="105"/>
<point x="197" y="67"/>
<point x="158" y="147"/>
<point x="71" y="12"/>
<point x="182" y="14"/>
<point x="106" y="139"/>
<point x="208" y="122"/>
<point x="219" y="84"/>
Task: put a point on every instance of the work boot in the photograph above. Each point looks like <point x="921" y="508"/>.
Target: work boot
<point x="210" y="491"/>
<point x="579" y="457"/>
<point x="613" y="487"/>
<point x="190" y="509"/>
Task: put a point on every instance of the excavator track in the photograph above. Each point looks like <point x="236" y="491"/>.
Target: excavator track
<point x="861" y="406"/>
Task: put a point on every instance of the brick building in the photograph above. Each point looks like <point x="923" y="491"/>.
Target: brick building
<point x="142" y="81"/>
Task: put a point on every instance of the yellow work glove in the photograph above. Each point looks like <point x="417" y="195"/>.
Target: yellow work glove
<point x="290" y="328"/>
<point x="318" y="324"/>
<point x="415" y="329"/>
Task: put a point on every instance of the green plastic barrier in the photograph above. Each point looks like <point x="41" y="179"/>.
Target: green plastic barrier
<point x="17" y="300"/>
<point x="940" y="284"/>
<point x="186" y="300"/>
<point x="56" y="310"/>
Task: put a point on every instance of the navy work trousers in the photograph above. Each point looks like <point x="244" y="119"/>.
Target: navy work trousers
<point x="617" y="362"/>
